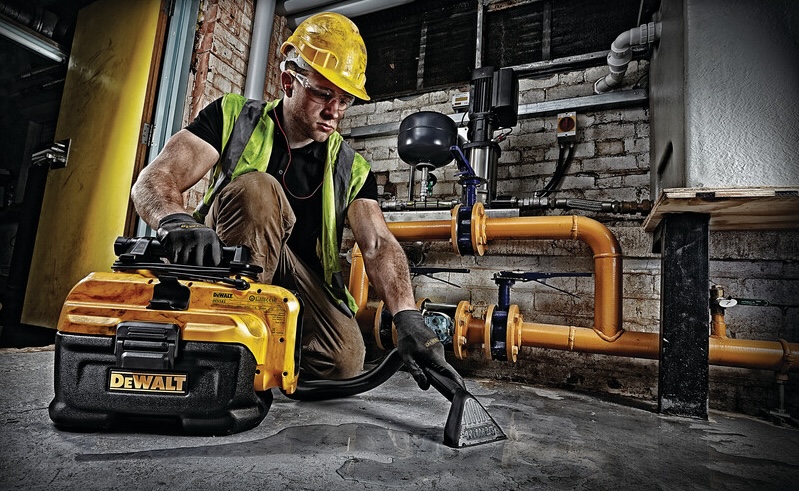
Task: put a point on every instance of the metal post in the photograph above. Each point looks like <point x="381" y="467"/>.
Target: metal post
<point x="684" y="316"/>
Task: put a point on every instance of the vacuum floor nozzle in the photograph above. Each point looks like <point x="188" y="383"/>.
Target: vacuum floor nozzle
<point x="468" y="423"/>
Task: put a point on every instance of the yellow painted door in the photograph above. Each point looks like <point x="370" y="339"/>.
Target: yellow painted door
<point x="103" y="103"/>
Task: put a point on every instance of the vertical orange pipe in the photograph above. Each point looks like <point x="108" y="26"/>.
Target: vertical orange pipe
<point x="718" y="326"/>
<point x="359" y="283"/>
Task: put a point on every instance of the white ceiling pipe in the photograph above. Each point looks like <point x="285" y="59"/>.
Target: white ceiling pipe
<point x="291" y="7"/>
<point x="621" y="54"/>
<point x="259" y="49"/>
<point x="349" y="8"/>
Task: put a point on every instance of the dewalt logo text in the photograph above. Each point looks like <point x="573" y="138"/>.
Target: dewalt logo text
<point x="122" y="380"/>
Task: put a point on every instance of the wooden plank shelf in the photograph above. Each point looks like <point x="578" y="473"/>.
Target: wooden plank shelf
<point x="756" y="208"/>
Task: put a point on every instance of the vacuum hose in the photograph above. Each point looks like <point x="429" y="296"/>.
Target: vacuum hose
<point x="320" y="390"/>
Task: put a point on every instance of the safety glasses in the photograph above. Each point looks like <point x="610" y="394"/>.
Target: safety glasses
<point x="323" y="95"/>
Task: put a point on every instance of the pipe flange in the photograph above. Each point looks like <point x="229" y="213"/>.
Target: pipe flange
<point x="499" y="334"/>
<point x="478" y="228"/>
<point x="461" y="231"/>
<point x="453" y="231"/>
<point x="462" y="316"/>
<point x="487" y="332"/>
<point x="514" y="332"/>
<point x="385" y="332"/>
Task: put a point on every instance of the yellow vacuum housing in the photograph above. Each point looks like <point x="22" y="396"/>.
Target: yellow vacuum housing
<point x="200" y="346"/>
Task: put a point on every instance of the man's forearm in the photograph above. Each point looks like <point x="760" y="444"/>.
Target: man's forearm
<point x="388" y="269"/>
<point x="155" y="197"/>
<point x="385" y="261"/>
<point x="158" y="191"/>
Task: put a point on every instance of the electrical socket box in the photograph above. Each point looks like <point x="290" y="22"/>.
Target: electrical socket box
<point x="460" y="102"/>
<point x="567" y="126"/>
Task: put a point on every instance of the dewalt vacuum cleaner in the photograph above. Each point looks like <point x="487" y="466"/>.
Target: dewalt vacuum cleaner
<point x="200" y="348"/>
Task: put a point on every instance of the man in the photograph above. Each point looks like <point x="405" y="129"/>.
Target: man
<point x="286" y="198"/>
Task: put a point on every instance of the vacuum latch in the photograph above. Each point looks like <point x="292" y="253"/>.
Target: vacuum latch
<point x="146" y="345"/>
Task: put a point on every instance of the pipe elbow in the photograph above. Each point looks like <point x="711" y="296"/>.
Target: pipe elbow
<point x="596" y="235"/>
<point x="622" y="42"/>
<point x="620" y="54"/>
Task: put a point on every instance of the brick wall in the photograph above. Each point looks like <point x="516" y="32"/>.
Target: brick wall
<point x="611" y="162"/>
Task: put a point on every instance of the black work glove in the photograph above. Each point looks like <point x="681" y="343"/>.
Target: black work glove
<point x="188" y="242"/>
<point x="420" y="347"/>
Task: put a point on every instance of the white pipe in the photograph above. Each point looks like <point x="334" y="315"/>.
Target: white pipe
<point x="291" y="7"/>
<point x="349" y="8"/>
<point x="259" y="49"/>
<point x="621" y="53"/>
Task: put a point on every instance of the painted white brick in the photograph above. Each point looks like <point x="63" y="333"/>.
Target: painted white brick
<point x="569" y="91"/>
<point x="605" y="164"/>
<point x="571" y="78"/>
<point x="609" y="131"/>
<point x="532" y="96"/>
<point x="636" y="145"/>
<point x="538" y="82"/>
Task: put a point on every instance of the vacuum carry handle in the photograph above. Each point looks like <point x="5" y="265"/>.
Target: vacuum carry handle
<point x="151" y="246"/>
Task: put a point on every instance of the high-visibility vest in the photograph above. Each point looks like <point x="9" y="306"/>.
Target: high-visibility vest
<point x="248" y="132"/>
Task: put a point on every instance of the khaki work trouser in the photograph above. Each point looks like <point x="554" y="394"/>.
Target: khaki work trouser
<point x="253" y="211"/>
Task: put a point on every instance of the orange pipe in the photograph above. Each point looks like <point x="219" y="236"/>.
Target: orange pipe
<point x="603" y="244"/>
<point x="359" y="283"/>
<point x="740" y="353"/>
<point x="749" y="353"/>
<point x="430" y="230"/>
<point x="584" y="340"/>
<point x="607" y="335"/>
<point x="359" y="289"/>
<point x="718" y="327"/>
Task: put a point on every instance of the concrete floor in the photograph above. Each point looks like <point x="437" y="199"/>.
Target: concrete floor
<point x="391" y="437"/>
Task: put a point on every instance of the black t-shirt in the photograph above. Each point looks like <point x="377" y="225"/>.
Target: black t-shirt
<point x="299" y="171"/>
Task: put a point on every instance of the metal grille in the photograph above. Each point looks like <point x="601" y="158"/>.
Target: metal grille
<point x="426" y="45"/>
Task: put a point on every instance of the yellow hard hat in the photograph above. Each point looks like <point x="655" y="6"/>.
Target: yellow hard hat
<point x="333" y="46"/>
